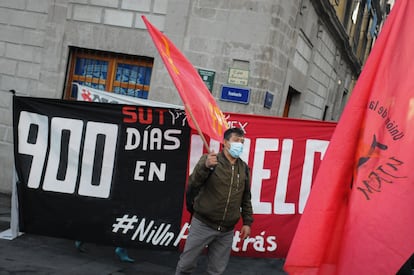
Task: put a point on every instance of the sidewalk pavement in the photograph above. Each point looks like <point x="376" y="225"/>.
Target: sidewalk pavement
<point x="37" y="254"/>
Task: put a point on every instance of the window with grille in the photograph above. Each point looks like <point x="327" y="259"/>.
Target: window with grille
<point x="112" y="72"/>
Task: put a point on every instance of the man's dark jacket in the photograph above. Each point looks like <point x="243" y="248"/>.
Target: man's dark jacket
<point x="222" y="198"/>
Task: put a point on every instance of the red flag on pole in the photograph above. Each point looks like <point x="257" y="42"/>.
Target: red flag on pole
<point x="201" y="108"/>
<point x="359" y="218"/>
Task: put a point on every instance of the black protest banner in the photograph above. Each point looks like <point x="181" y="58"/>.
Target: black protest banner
<point x="104" y="173"/>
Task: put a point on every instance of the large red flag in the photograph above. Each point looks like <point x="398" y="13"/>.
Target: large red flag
<point x="200" y="106"/>
<point x="359" y="218"/>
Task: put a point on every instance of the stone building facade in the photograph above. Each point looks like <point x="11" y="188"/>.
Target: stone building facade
<point x="296" y="58"/>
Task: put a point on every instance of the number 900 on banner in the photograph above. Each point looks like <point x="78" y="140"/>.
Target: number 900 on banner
<point x="54" y="153"/>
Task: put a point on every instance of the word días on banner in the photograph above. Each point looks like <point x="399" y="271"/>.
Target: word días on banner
<point x="150" y="139"/>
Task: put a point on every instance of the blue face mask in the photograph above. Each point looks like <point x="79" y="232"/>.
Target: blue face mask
<point x="236" y="148"/>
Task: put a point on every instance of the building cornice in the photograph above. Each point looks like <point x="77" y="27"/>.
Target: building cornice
<point x="329" y="18"/>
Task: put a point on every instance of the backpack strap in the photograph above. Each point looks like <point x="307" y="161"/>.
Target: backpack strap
<point x="247" y="183"/>
<point x="192" y="192"/>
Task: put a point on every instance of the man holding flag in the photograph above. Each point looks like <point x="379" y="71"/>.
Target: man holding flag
<point x="224" y="196"/>
<point x="359" y="215"/>
<point x="224" y="178"/>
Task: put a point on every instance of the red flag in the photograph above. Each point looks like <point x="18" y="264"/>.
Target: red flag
<point x="359" y="216"/>
<point x="200" y="106"/>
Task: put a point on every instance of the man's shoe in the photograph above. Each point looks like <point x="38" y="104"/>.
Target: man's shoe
<point x="123" y="255"/>
<point x="79" y="246"/>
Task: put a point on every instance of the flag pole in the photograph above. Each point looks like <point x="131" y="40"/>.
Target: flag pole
<point x="197" y="127"/>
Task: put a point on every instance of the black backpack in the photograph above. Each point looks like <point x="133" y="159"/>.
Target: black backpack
<point x="192" y="192"/>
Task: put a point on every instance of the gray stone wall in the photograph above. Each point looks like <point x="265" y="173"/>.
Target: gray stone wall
<point x="23" y="27"/>
<point x="258" y="33"/>
<point x="281" y="43"/>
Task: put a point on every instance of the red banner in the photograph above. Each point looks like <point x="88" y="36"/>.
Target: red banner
<point x="200" y="106"/>
<point x="283" y="156"/>
<point x="359" y="216"/>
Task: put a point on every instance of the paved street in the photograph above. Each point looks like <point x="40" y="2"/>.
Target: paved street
<point x="34" y="254"/>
